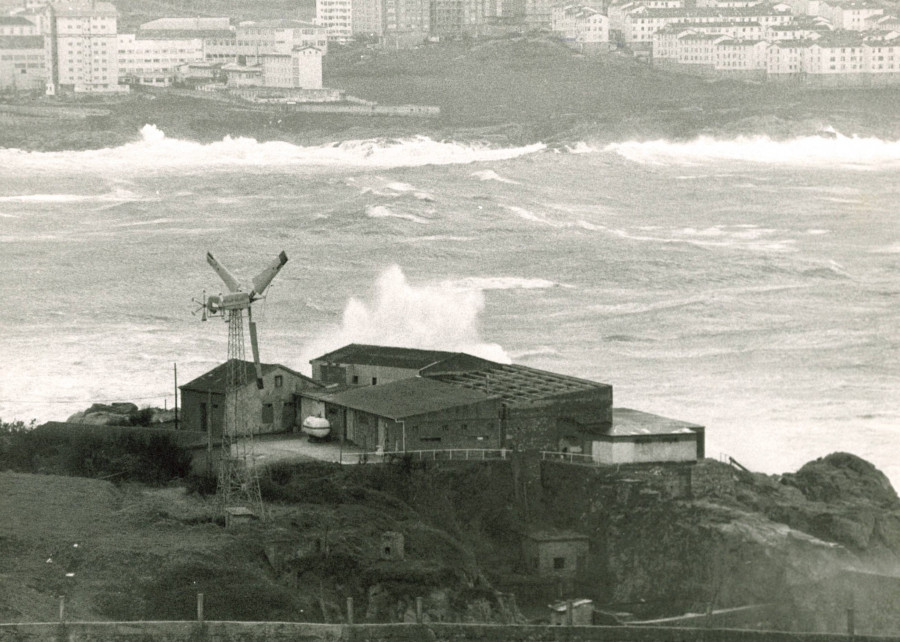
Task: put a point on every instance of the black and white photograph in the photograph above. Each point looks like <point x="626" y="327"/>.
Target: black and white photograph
<point x="500" y="320"/>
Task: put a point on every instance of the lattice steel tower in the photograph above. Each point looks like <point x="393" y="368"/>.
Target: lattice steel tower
<point x="238" y="479"/>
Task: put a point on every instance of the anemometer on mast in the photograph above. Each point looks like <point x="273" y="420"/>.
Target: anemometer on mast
<point x="238" y="483"/>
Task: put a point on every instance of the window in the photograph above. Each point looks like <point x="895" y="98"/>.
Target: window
<point x="279" y="381"/>
<point x="374" y="380"/>
<point x="355" y="378"/>
<point x="559" y="563"/>
<point x="268" y="413"/>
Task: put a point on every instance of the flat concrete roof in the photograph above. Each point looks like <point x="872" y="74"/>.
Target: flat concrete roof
<point x="628" y="422"/>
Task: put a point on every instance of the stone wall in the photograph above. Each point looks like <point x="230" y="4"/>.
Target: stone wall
<point x="294" y="631"/>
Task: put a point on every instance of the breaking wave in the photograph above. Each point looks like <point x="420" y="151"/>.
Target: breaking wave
<point x="155" y="151"/>
<point x="414" y="316"/>
<point x="830" y="149"/>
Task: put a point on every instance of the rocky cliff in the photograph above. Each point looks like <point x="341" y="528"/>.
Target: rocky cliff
<point x="815" y="543"/>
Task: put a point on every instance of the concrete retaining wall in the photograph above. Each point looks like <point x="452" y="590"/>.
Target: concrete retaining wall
<point x="295" y="631"/>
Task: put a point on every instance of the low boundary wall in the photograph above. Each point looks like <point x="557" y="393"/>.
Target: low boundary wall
<point x="297" y="631"/>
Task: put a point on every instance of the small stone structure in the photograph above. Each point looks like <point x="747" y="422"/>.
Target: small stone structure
<point x="582" y="613"/>
<point x="555" y="553"/>
<point x="392" y="546"/>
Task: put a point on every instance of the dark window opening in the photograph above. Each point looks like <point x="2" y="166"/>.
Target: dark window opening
<point x="268" y="414"/>
<point x="279" y="381"/>
<point x="431" y="438"/>
<point x="355" y="378"/>
<point x="559" y="563"/>
<point x="374" y="380"/>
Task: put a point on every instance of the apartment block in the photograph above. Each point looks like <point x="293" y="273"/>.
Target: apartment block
<point x="82" y="47"/>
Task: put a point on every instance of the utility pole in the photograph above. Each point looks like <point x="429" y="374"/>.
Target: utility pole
<point x="175" y="366"/>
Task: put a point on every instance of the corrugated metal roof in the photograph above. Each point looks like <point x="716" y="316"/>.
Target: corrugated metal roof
<point x="515" y="383"/>
<point x="407" y="398"/>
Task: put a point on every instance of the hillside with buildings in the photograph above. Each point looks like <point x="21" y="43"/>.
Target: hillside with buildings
<point x="384" y="59"/>
<point x="436" y="485"/>
<point x="464" y="539"/>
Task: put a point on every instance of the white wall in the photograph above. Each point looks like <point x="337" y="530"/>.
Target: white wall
<point x="632" y="452"/>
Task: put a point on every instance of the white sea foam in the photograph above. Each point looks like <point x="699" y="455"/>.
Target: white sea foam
<point x="491" y="175"/>
<point x="380" y="211"/>
<point x="481" y="283"/>
<point x="413" y="316"/>
<point x="581" y="148"/>
<point x="155" y="151"/>
<point x="116" y="196"/>
<point x="848" y="152"/>
<point x="527" y="215"/>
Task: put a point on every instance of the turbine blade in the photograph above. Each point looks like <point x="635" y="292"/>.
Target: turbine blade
<point x="262" y="280"/>
<point x="254" y="345"/>
<point x="223" y="273"/>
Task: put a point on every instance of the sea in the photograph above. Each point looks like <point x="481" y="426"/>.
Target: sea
<point x="748" y="283"/>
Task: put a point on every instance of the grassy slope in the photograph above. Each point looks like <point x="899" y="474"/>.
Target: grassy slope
<point x="144" y="553"/>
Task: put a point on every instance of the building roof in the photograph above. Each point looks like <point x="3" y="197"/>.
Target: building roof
<point x="629" y="423"/>
<point x="281" y="24"/>
<point x="85" y="7"/>
<point x="405" y="398"/>
<point x="556" y="536"/>
<point x="513" y="383"/>
<point x="214" y="380"/>
<point x="388" y="356"/>
<point x="711" y="12"/>
<point x="560" y="607"/>
<point x="188" y="24"/>
<point x="21" y="42"/>
<point x="183" y="34"/>
<point x="12" y="21"/>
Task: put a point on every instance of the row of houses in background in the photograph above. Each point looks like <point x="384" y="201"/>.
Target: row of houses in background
<point x="75" y="45"/>
<point x="388" y="399"/>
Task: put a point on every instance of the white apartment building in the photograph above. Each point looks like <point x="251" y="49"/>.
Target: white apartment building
<point x="367" y="17"/>
<point x="22" y="63"/>
<point x="216" y="34"/>
<point x="834" y="59"/>
<point x="82" y="47"/>
<point x="407" y="17"/>
<point x="640" y="24"/>
<point x="302" y="68"/>
<point x="851" y="16"/>
<point x="155" y="61"/>
<point x="255" y="39"/>
<point x="17" y="26"/>
<point x="727" y="4"/>
<point x="337" y="18"/>
<point x="581" y="24"/>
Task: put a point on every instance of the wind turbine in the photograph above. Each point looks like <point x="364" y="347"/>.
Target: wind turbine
<point x="238" y="481"/>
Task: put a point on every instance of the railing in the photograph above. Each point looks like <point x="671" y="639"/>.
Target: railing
<point x="571" y="458"/>
<point x="449" y="454"/>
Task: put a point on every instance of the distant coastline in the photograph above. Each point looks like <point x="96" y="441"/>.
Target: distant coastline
<point x="502" y="90"/>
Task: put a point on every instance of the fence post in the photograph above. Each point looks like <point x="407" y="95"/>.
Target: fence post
<point x="349" y="610"/>
<point x="570" y="617"/>
<point x="200" y="608"/>
<point x="851" y="622"/>
<point x="418" y="610"/>
<point x="62" y="608"/>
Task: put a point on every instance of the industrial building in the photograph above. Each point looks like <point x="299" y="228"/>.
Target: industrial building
<point x="392" y="399"/>
<point x="270" y="410"/>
